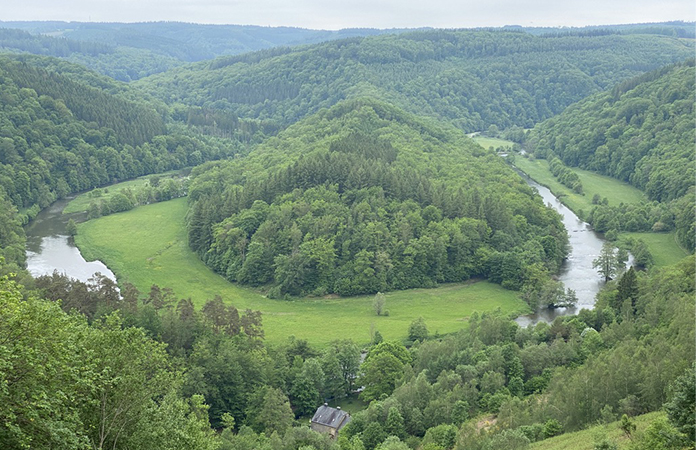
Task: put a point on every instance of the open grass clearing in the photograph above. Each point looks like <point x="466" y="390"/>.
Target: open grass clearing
<point x="81" y="202"/>
<point x="352" y="403"/>
<point x="147" y="245"/>
<point x="586" y="439"/>
<point x="486" y="142"/>
<point x="615" y="191"/>
<point x="663" y="247"/>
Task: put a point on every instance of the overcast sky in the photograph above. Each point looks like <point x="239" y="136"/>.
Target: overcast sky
<point x="336" y="14"/>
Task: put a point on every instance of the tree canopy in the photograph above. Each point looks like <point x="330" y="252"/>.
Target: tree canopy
<point x="364" y="198"/>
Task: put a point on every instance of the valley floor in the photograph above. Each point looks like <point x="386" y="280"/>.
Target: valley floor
<point x="148" y="245"/>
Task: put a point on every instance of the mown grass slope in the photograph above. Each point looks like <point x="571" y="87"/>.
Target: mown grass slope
<point x="586" y="439"/>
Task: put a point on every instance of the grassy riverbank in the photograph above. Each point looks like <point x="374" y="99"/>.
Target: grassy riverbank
<point x="663" y="246"/>
<point x="147" y="245"/>
<point x="81" y="202"/>
<point x="614" y="190"/>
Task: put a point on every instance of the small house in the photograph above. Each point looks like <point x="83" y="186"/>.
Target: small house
<point x="329" y="420"/>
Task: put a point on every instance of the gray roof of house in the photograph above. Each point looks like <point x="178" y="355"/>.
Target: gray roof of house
<point x="331" y="417"/>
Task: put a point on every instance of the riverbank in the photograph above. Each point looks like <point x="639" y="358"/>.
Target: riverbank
<point x="613" y="190"/>
<point x="662" y="246"/>
<point x="49" y="247"/>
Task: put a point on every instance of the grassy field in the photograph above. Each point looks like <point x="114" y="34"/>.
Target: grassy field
<point x="486" y="142"/>
<point x="585" y="439"/>
<point x="147" y="245"/>
<point x="663" y="247"/>
<point x="352" y="403"/>
<point x="81" y="202"/>
<point x="614" y="190"/>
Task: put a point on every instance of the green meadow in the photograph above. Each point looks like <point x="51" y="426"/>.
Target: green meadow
<point x="81" y="202"/>
<point x="663" y="247"/>
<point x="148" y="245"/>
<point x="586" y="439"/>
<point x="615" y="191"/>
<point x="486" y="142"/>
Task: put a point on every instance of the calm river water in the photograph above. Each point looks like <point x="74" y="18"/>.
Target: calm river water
<point x="577" y="272"/>
<point x="49" y="248"/>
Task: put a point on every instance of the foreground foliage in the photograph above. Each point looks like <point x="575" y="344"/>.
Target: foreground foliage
<point x="65" y="384"/>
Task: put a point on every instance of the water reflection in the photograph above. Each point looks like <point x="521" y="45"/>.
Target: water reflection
<point x="577" y="272"/>
<point x="50" y="248"/>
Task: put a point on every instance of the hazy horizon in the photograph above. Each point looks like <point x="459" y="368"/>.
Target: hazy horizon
<point x="384" y="14"/>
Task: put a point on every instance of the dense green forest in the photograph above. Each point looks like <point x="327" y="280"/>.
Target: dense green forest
<point x="641" y="131"/>
<point x="342" y="168"/>
<point x="364" y="198"/>
<point x="60" y="135"/>
<point x="132" y="51"/>
<point x="473" y="79"/>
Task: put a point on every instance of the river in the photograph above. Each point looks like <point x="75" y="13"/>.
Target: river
<point x="50" y="248"/>
<point x="577" y="272"/>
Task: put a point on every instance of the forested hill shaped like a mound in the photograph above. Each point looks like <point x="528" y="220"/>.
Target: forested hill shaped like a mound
<point x="364" y="197"/>
<point x="472" y="78"/>
<point x="60" y="135"/>
<point x="641" y="132"/>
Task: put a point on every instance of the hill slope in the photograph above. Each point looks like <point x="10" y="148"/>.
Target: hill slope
<point x="642" y="132"/>
<point x="471" y="78"/>
<point x="364" y="197"/>
<point x="61" y="134"/>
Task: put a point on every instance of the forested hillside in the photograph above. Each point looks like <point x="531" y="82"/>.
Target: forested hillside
<point x="473" y="79"/>
<point x="59" y="135"/>
<point x="134" y="50"/>
<point x="363" y="198"/>
<point x="641" y="131"/>
<point x="19" y="40"/>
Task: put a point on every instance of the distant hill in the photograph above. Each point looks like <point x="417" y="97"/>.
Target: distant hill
<point x="473" y="79"/>
<point x="129" y="51"/>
